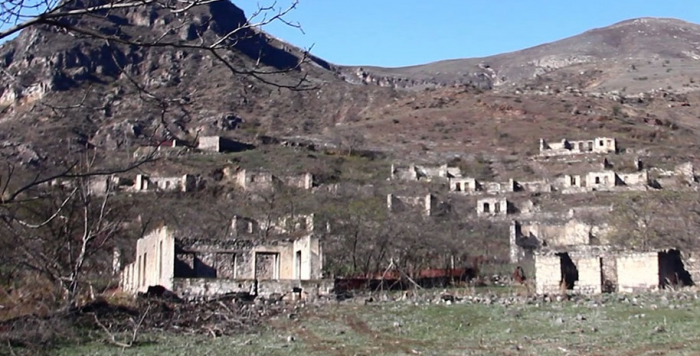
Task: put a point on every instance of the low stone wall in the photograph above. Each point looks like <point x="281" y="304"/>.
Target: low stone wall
<point x="205" y="288"/>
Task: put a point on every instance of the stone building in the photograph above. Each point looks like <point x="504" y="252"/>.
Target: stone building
<point x="566" y="147"/>
<point x="496" y="206"/>
<point x="426" y="204"/>
<point x="471" y="186"/>
<point x="221" y="144"/>
<point x="185" y="183"/>
<point x="264" y="180"/>
<point x="415" y="172"/>
<point x="597" y="270"/>
<point x="201" y="268"/>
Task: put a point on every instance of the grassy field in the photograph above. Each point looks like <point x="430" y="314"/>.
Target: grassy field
<point x="427" y="328"/>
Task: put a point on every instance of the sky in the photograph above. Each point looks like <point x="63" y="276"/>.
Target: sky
<point x="393" y="33"/>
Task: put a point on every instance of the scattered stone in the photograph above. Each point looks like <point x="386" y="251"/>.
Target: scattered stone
<point x="659" y="329"/>
<point x="580" y="317"/>
<point x="397" y="324"/>
<point x="290" y="338"/>
<point x="559" y="321"/>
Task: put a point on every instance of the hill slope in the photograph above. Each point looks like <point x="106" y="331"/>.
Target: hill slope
<point x="641" y="54"/>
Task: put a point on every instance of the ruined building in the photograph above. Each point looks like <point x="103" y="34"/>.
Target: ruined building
<point x="427" y="204"/>
<point x="252" y="180"/>
<point x="221" y="144"/>
<point x="415" y="172"/>
<point x="575" y="256"/>
<point x="288" y="259"/>
<point x="566" y="147"/>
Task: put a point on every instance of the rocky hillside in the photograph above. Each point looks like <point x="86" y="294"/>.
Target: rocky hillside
<point x="74" y="91"/>
<point x="639" y="55"/>
<point x="65" y="92"/>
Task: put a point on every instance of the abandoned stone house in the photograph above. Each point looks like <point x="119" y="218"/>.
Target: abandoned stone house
<point x="185" y="183"/>
<point x="221" y="144"/>
<point x="415" y="172"/>
<point x="566" y="147"/>
<point x="264" y="180"/>
<point x="604" y="181"/>
<point x="574" y="256"/>
<point x="596" y="270"/>
<point x="290" y="258"/>
<point x="496" y="206"/>
<point x="427" y="205"/>
<point x="471" y="186"/>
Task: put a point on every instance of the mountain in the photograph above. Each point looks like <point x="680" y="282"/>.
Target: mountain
<point x="639" y="54"/>
<point x="65" y="91"/>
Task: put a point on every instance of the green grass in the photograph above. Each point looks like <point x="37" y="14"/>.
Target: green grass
<point x="400" y="328"/>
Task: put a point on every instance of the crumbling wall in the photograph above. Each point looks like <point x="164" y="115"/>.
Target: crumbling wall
<point x="637" y="272"/>
<point x="537" y="186"/>
<point x="191" y="289"/>
<point x="602" y="180"/>
<point x="419" y="172"/>
<point x="637" y="178"/>
<point x="254" y="180"/>
<point x="308" y="258"/>
<point x="548" y="274"/>
<point x="186" y="183"/>
<point x="589" y="276"/>
<point x="154" y="263"/>
<point x="497" y="206"/>
<point x="303" y="181"/>
<point x="566" y="147"/>
<point x="464" y="185"/>
<point x="397" y="203"/>
<point x="686" y="172"/>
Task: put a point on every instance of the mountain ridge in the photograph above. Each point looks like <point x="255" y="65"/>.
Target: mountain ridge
<point x="657" y="37"/>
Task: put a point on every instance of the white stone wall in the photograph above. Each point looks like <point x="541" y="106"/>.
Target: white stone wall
<point x="589" y="276"/>
<point x="637" y="272"/>
<point x="566" y="147"/>
<point x="154" y="263"/>
<point x="547" y="274"/>
<point x="209" y="143"/>
<point x="426" y="203"/>
<point x="492" y="206"/>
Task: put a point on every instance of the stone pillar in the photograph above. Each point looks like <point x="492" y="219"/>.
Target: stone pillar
<point x="514" y="248"/>
<point x="116" y="261"/>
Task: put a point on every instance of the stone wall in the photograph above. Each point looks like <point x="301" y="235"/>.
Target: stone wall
<point x="254" y="180"/>
<point x="427" y="204"/>
<point x="302" y="181"/>
<point x="589" y="276"/>
<point x="498" y="206"/>
<point x="154" y="263"/>
<point x="637" y="272"/>
<point x="186" y="183"/>
<point x="566" y="147"/>
<point x="415" y="172"/>
<point x="205" y="288"/>
<point x="547" y="274"/>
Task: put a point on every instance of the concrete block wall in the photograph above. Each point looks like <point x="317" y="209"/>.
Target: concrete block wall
<point x="637" y="272"/>
<point x="547" y="274"/>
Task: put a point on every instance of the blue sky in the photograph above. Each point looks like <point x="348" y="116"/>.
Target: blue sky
<point x="405" y="32"/>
